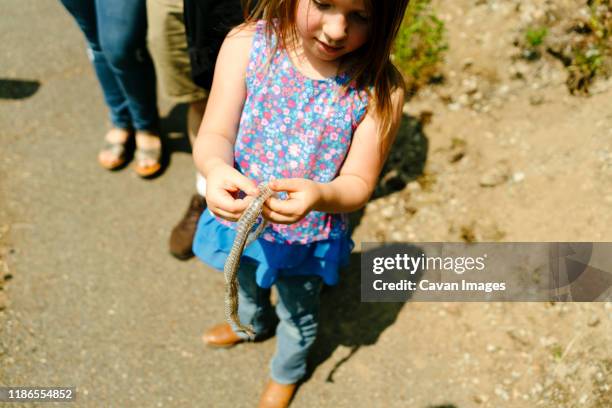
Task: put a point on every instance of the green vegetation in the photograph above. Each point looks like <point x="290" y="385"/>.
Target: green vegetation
<point x="420" y="44"/>
<point x="592" y="55"/>
<point x="557" y="352"/>
<point x="586" y="50"/>
<point x="535" y="36"/>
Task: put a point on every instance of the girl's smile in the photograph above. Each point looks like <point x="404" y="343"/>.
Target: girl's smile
<point x="328" y="49"/>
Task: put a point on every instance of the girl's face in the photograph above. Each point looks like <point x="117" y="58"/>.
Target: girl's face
<point x="330" y="29"/>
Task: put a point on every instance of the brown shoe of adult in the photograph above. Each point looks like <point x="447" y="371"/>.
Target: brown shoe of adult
<point x="277" y="395"/>
<point x="181" y="238"/>
<point x="221" y="336"/>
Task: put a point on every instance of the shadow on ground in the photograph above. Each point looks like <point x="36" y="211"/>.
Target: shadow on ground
<point x="17" y="88"/>
<point x="173" y="127"/>
<point x="346" y="320"/>
<point x="405" y="163"/>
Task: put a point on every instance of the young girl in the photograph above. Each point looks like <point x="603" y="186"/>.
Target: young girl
<point x="306" y="98"/>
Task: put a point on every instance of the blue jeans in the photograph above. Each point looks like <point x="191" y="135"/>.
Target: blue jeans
<point x="297" y="311"/>
<point x="116" y="32"/>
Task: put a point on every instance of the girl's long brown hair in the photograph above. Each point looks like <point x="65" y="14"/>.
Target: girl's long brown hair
<point x="368" y="67"/>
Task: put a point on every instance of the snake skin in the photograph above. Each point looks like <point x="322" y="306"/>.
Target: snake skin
<point x="244" y="237"/>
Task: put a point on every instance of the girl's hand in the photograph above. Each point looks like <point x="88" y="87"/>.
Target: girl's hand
<point x="223" y="183"/>
<point x="303" y="196"/>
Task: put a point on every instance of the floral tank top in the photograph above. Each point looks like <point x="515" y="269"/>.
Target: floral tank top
<point x="293" y="126"/>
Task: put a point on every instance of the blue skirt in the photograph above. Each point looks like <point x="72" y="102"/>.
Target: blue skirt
<point x="213" y="241"/>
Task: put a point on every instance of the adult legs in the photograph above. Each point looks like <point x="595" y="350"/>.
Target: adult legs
<point x="122" y="30"/>
<point x="84" y="12"/>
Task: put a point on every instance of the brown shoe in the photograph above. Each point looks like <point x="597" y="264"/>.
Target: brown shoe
<point x="221" y="336"/>
<point x="277" y="395"/>
<point x="181" y="238"/>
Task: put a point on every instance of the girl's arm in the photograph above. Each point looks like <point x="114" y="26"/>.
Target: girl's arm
<point x="358" y="176"/>
<point x="213" y="151"/>
<point x="355" y="183"/>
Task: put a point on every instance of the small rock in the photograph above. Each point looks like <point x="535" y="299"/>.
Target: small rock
<point x="456" y="156"/>
<point x="397" y="236"/>
<point x="415" y="187"/>
<point x="518" y="177"/>
<point x="470" y="85"/>
<point x="501" y="393"/>
<point x="504" y="89"/>
<point x="387" y="212"/>
<point x="463" y="100"/>
<point x="445" y="97"/>
<point x="518" y="70"/>
<point x="519" y="336"/>
<point x="531" y="54"/>
<point x="536" y="100"/>
<point x="495" y="176"/>
<point x="593" y="321"/>
<point x="479" y="399"/>
<point x="537" y="388"/>
<point x="546" y="341"/>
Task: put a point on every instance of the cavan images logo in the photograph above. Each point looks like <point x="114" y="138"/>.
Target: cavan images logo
<point x="580" y="271"/>
<point x="512" y="271"/>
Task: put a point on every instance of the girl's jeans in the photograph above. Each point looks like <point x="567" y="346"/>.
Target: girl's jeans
<point x="115" y="31"/>
<point x="298" y="311"/>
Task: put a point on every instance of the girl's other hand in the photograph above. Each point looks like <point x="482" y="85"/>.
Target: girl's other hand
<point x="303" y="195"/>
<point x="223" y="184"/>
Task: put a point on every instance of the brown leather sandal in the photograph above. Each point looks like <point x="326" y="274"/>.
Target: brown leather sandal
<point x="148" y="160"/>
<point x="146" y="155"/>
<point x="120" y="152"/>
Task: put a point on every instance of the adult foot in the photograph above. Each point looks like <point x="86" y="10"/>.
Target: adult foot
<point x="181" y="238"/>
<point x="277" y="395"/>
<point x="222" y="336"/>
<point x="148" y="153"/>
<point x="114" y="153"/>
